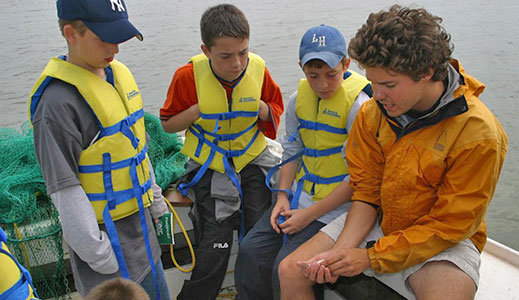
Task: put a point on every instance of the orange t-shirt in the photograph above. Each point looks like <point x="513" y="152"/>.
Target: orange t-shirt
<point x="182" y="95"/>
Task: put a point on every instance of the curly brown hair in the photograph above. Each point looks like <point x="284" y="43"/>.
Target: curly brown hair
<point x="403" y="40"/>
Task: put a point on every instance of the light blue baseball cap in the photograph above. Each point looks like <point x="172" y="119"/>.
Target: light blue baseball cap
<point x="322" y="42"/>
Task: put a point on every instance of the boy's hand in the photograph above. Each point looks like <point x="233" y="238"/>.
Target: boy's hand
<point x="315" y="271"/>
<point x="347" y="261"/>
<point x="329" y="265"/>
<point x="296" y="220"/>
<point x="282" y="204"/>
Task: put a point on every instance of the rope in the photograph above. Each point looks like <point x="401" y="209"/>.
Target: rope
<point x="184" y="232"/>
<point x="22" y="245"/>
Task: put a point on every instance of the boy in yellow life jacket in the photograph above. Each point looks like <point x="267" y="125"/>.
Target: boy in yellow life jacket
<point x="313" y="186"/>
<point x="90" y="141"/>
<point x="424" y="155"/>
<point x="16" y="283"/>
<point x="229" y="103"/>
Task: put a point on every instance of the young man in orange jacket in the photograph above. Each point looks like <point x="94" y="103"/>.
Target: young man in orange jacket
<point x="426" y="153"/>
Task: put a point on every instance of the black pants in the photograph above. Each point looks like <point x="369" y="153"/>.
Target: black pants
<point x="215" y="238"/>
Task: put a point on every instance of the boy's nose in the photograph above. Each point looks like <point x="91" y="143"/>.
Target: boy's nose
<point x="323" y="83"/>
<point x="377" y="94"/>
<point x="236" y="62"/>
<point x="114" y="48"/>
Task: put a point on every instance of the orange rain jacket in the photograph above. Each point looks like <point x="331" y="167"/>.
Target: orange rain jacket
<point x="432" y="180"/>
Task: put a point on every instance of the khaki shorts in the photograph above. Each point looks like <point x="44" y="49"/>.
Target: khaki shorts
<point x="464" y="255"/>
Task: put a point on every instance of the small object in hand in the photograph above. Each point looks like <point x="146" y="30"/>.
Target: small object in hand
<point x="303" y="265"/>
<point x="164" y="229"/>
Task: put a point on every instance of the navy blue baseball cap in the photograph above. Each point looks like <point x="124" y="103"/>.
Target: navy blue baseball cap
<point x="322" y="42"/>
<point x="108" y="19"/>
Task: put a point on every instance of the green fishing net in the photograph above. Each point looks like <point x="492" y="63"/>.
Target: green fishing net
<point x="164" y="152"/>
<point x="31" y="221"/>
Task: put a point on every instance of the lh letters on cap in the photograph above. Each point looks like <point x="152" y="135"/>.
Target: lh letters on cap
<point x="321" y="40"/>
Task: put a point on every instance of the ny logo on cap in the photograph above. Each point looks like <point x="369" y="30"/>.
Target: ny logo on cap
<point x="321" y="40"/>
<point x="120" y="6"/>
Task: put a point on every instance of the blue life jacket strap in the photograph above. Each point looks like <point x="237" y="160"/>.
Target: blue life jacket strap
<point x="227" y="116"/>
<point x="107" y="181"/>
<point x="124" y="126"/>
<point x="36" y="97"/>
<point x="200" y="133"/>
<point x="320" y="126"/>
<point x="318" y="153"/>
<point x="116" y="244"/>
<point x="182" y="188"/>
<point x="120" y="196"/>
<point x="274" y="169"/>
<point x="289" y="193"/>
<point x="322" y="180"/>
<point x="138" y="194"/>
<point x="19" y="290"/>
<point x="116" y="165"/>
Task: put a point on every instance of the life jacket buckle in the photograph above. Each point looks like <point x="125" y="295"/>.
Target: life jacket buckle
<point x="137" y="159"/>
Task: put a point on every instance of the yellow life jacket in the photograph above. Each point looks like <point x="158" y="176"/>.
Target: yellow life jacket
<point x="114" y="169"/>
<point x="322" y="126"/>
<point x="234" y="123"/>
<point x="16" y="282"/>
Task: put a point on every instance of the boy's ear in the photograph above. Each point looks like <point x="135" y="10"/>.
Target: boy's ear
<point x="300" y="65"/>
<point x="347" y="62"/>
<point x="69" y="33"/>
<point x="429" y="75"/>
<point x="205" y="50"/>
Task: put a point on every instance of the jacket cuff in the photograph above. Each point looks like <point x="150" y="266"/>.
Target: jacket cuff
<point x="373" y="259"/>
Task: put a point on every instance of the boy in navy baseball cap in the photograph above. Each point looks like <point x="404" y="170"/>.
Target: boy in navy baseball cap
<point x="313" y="187"/>
<point x="90" y="139"/>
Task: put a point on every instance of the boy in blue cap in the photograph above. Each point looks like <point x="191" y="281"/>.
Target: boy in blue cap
<point x="313" y="186"/>
<point x="90" y="141"/>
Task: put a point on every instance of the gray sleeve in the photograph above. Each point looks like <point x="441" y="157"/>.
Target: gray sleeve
<point x="63" y="125"/>
<point x="81" y="231"/>
<point x="158" y="206"/>
<point x="296" y="145"/>
<point x="55" y="149"/>
<point x="361" y="98"/>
